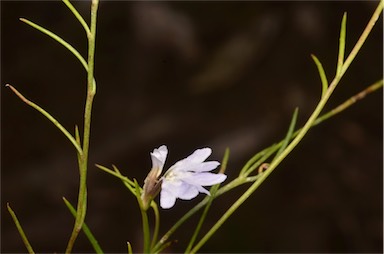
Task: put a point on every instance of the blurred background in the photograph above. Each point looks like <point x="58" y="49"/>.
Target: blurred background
<point x="191" y="75"/>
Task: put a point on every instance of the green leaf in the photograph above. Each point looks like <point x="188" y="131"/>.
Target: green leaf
<point x="258" y="159"/>
<point x="77" y="15"/>
<point x="323" y="77"/>
<point x="340" y="59"/>
<point x="59" y="40"/>
<point x="129" y="248"/>
<point x="48" y="116"/>
<point x="20" y="229"/>
<point x="289" y="133"/>
<point x="86" y="229"/>
<point x="127" y="182"/>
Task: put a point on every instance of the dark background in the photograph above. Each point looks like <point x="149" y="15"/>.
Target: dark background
<point x="190" y="75"/>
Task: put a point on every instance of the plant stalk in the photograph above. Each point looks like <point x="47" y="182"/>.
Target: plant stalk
<point x="83" y="158"/>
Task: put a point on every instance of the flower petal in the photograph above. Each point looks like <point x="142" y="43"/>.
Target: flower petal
<point x="195" y="162"/>
<point x="199" y="155"/>
<point x="158" y="157"/>
<point x="186" y="178"/>
<point x="167" y="200"/>
<point x="195" y="158"/>
<point x="187" y="191"/>
<point x="205" y="179"/>
<point x="201" y="167"/>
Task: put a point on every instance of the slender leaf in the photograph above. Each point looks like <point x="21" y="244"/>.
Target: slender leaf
<point x="288" y="137"/>
<point x="86" y="229"/>
<point x="340" y="59"/>
<point x="129" y="246"/>
<point x="77" y="15"/>
<point x="128" y="183"/>
<point x="59" y="40"/>
<point x="20" y="229"/>
<point x="49" y="117"/>
<point x="323" y="77"/>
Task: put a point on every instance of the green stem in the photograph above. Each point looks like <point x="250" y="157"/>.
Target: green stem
<point x="255" y="161"/>
<point x="144" y="218"/>
<point x="299" y="136"/>
<point x="362" y="38"/>
<point x="157" y="223"/>
<point x="146" y="234"/>
<point x="49" y="117"/>
<point x="213" y="192"/>
<point x="346" y="104"/>
<point x="83" y="159"/>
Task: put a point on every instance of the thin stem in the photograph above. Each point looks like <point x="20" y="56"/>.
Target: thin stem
<point x="146" y="234"/>
<point x="362" y="38"/>
<point x="20" y="229"/>
<point x="299" y="136"/>
<point x="213" y="192"/>
<point x="350" y="102"/>
<point x="157" y="223"/>
<point x="245" y="171"/>
<point x="83" y="159"/>
<point x="49" y="117"/>
<point x="191" y="212"/>
<point x="267" y="153"/>
<point x="144" y="218"/>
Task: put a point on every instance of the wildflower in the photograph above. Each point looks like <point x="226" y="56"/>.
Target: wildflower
<point x="185" y="179"/>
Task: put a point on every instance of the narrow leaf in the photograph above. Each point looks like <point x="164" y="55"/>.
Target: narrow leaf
<point x="323" y="77"/>
<point x="263" y="156"/>
<point x="20" y="229"/>
<point x="129" y="248"/>
<point x="85" y="228"/>
<point x="340" y="59"/>
<point x="289" y="133"/>
<point x="49" y="117"/>
<point x="128" y="183"/>
<point x="77" y="135"/>
<point x="77" y="15"/>
<point x="59" y="40"/>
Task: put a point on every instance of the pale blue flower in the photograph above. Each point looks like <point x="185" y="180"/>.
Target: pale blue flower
<point x="186" y="178"/>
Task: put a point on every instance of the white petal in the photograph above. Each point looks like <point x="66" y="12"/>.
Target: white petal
<point x="158" y="157"/>
<point x="199" y="155"/>
<point x="202" y="167"/>
<point x="187" y="192"/>
<point x="195" y="158"/>
<point x="205" y="179"/>
<point x="174" y="186"/>
<point x="203" y="190"/>
<point x="167" y="200"/>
